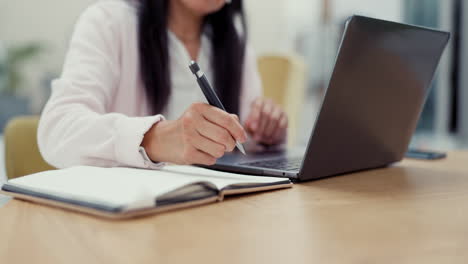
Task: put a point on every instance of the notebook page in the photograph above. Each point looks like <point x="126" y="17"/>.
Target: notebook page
<point x="219" y="178"/>
<point x="128" y="187"/>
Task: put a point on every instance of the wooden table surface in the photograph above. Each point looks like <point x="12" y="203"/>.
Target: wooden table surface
<point x="413" y="212"/>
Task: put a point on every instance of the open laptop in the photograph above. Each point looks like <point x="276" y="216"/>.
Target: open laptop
<point x="381" y="78"/>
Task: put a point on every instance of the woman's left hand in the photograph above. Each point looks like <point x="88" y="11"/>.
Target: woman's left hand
<point x="267" y="123"/>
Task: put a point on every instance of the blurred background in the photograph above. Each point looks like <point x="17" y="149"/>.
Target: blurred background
<point x="34" y="38"/>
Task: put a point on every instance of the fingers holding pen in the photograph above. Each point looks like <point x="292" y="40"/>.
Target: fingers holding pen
<point x="227" y="121"/>
<point x="217" y="134"/>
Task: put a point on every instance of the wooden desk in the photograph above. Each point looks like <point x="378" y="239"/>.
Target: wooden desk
<point x="414" y="212"/>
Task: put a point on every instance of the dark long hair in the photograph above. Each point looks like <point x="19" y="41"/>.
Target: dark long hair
<point x="227" y="54"/>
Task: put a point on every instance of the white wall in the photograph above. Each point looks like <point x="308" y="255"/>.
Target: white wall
<point x="267" y="25"/>
<point x="46" y="21"/>
<point x="388" y="9"/>
<point x="275" y="24"/>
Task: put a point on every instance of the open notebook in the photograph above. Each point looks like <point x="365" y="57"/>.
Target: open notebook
<point x="126" y="192"/>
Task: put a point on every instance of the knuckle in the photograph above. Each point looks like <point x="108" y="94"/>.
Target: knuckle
<point x="197" y="106"/>
<point x="188" y="119"/>
<point x="226" y="120"/>
<point x="234" y="119"/>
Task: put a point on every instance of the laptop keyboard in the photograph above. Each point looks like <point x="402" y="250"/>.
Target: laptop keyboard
<point x="286" y="164"/>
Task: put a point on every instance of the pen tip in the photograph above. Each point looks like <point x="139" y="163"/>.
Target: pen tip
<point x="241" y="148"/>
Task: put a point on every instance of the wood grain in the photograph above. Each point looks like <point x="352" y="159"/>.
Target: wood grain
<point x="413" y="212"/>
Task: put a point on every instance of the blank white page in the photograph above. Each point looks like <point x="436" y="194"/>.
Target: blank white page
<point x="128" y="187"/>
<point x="107" y="186"/>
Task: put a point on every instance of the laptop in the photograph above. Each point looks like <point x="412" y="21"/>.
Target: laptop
<point x="375" y="96"/>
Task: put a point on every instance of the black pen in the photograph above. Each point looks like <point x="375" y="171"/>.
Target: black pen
<point x="209" y="93"/>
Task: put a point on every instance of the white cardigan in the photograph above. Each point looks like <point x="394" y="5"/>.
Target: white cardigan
<point x="98" y="113"/>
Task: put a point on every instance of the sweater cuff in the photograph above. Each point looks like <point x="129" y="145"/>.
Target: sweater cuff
<point x="130" y="133"/>
<point x="148" y="162"/>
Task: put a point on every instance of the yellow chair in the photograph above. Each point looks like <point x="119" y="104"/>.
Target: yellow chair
<point x="284" y="81"/>
<point x="22" y="156"/>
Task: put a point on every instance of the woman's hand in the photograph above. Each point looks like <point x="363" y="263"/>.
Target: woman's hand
<point x="267" y="123"/>
<point x="200" y="136"/>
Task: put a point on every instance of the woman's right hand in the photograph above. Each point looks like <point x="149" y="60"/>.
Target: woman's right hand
<point x="200" y="136"/>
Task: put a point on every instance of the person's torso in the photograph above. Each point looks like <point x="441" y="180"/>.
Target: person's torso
<point x="130" y="96"/>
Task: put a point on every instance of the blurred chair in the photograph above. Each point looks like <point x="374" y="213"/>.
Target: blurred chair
<point x="22" y="156"/>
<point x="284" y="81"/>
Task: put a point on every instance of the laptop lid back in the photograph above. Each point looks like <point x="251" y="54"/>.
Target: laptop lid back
<point x="376" y="94"/>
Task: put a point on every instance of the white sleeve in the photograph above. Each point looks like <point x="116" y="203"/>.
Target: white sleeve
<point x="251" y="83"/>
<point x="75" y="127"/>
